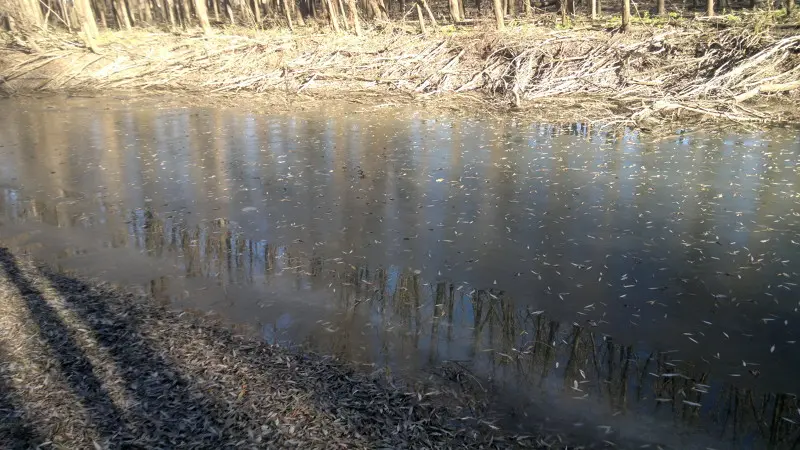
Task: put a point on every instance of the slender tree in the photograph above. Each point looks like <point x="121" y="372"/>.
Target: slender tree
<point x="354" y="16"/>
<point x="661" y="7"/>
<point x="455" y="11"/>
<point x="498" y="14"/>
<point x="710" y="8"/>
<point x="626" y="14"/>
<point x="202" y="15"/>
<point x="332" y="15"/>
<point x="421" y="20"/>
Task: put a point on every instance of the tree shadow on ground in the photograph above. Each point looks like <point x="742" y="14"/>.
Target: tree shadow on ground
<point x="186" y="383"/>
<point x="162" y="408"/>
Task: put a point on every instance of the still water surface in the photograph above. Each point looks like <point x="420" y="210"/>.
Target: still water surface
<point x="612" y="285"/>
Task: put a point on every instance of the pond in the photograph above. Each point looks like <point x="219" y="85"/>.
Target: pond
<point x="601" y="283"/>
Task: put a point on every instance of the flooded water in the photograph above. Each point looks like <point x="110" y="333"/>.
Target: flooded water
<point x="608" y="285"/>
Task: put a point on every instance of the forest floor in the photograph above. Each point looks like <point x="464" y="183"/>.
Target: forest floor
<point x="743" y="68"/>
<point x="85" y="365"/>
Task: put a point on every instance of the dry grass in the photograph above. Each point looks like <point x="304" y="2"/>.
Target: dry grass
<point x="652" y="72"/>
<point x="86" y="366"/>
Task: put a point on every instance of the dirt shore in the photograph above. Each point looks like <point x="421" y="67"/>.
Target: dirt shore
<point x="86" y="365"/>
<point x="728" y="69"/>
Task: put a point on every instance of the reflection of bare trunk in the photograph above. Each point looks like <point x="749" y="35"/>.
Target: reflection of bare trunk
<point x="498" y="15"/>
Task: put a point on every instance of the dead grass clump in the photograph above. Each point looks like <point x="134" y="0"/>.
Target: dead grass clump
<point x="646" y="73"/>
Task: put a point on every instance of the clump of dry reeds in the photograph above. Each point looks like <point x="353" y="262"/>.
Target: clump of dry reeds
<point x="647" y="72"/>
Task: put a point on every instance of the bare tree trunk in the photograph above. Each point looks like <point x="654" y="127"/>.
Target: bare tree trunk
<point x="421" y="20"/>
<point x="498" y="14"/>
<point x="24" y="13"/>
<point x="83" y="9"/>
<point x="215" y="5"/>
<point x="202" y="15"/>
<point x="229" y="11"/>
<point x="351" y="5"/>
<point x="454" y="11"/>
<point x="102" y="11"/>
<point x="256" y="12"/>
<point x="789" y="7"/>
<point x="528" y="10"/>
<point x="626" y="15"/>
<point x="169" y="7"/>
<point x="599" y="8"/>
<point x="186" y="15"/>
<point x="341" y="12"/>
<point x="288" y="12"/>
<point x="332" y="15"/>
<point x="430" y="13"/>
<point x="121" y="14"/>
<point x="710" y="8"/>
<point x="662" y="8"/>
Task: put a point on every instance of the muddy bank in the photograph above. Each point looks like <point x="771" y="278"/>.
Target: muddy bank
<point x="650" y="74"/>
<point x="85" y="365"/>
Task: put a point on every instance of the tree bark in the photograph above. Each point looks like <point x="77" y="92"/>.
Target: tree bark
<point x="229" y="11"/>
<point x="169" y="8"/>
<point x="121" y="14"/>
<point x="662" y="8"/>
<point x="710" y="8"/>
<point x="498" y="15"/>
<point x="421" y="20"/>
<point x="528" y="9"/>
<point x="351" y="4"/>
<point x="256" y="12"/>
<point x="288" y="11"/>
<point x="594" y="9"/>
<point x="430" y="13"/>
<point x="454" y="11"/>
<point x="202" y="15"/>
<point x="332" y="15"/>
<point x="102" y="11"/>
<point x="626" y="15"/>
<point x="341" y="12"/>
<point x="83" y="9"/>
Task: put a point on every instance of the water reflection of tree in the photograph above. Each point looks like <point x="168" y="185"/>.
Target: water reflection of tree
<point x="521" y="349"/>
